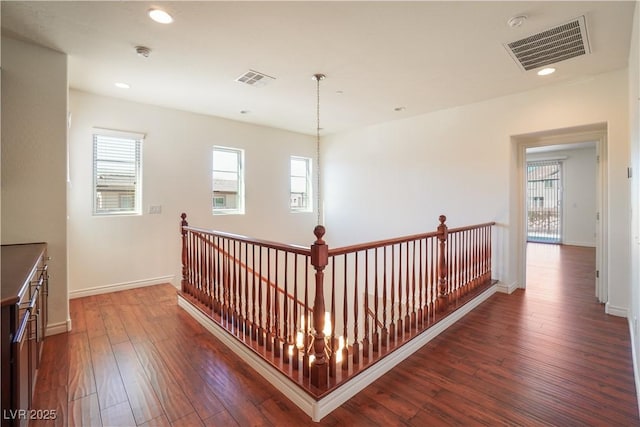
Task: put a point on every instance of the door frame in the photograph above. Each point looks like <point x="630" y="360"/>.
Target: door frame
<point x="596" y="132"/>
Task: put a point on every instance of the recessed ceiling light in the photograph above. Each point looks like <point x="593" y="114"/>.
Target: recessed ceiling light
<point x="122" y="85"/>
<point x="160" y="16"/>
<point x="546" y="71"/>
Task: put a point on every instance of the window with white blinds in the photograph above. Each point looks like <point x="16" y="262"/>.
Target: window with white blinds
<point x="117" y="172"/>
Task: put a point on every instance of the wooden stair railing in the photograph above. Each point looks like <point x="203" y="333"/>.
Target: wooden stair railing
<point x="376" y="297"/>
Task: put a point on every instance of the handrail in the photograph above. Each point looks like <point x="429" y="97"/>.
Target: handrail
<point x="301" y="250"/>
<point x="397" y="240"/>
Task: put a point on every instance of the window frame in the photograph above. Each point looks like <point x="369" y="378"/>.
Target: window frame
<point x="308" y="180"/>
<point x="240" y="195"/>
<point x="105" y="136"/>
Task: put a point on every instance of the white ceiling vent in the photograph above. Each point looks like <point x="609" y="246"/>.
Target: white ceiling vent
<point x="255" y="78"/>
<point x="554" y="45"/>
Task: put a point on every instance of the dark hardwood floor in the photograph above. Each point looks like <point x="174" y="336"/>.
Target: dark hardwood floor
<point x="545" y="356"/>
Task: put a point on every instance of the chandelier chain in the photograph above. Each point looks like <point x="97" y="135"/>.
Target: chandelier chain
<point x="317" y="78"/>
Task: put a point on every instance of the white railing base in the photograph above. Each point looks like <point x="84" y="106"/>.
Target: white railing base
<point x="318" y="409"/>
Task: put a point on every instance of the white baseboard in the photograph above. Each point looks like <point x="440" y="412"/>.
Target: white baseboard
<point x="97" y="290"/>
<point x="634" y="358"/>
<point x="585" y="244"/>
<point x="58" y="328"/>
<point x="506" y="289"/>
<point x="318" y="409"/>
<point x="615" y="311"/>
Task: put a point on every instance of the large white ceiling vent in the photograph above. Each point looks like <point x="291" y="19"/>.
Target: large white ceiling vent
<point x="255" y="78"/>
<point x="554" y="45"/>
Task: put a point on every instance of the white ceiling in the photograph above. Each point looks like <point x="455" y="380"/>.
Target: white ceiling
<point x="377" y="56"/>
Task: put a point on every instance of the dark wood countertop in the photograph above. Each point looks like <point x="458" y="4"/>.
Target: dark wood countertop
<point x="18" y="262"/>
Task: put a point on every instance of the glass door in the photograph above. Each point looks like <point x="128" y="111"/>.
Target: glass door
<point x="544" y="201"/>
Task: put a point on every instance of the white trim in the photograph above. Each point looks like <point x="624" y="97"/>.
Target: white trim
<point x="320" y="408"/>
<point x="58" y="328"/>
<point x="97" y="290"/>
<point x="634" y="359"/>
<point x="584" y="244"/>
<point x="119" y="133"/>
<point x="506" y="289"/>
<point x="615" y="311"/>
<point x="596" y="132"/>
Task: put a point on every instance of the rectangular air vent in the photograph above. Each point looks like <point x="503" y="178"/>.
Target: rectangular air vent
<point x="554" y="45"/>
<point x="254" y="78"/>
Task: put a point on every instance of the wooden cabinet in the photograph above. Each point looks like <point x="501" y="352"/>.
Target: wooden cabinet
<point x="24" y="292"/>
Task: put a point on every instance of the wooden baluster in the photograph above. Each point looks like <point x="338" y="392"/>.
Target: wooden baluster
<point x="442" y="264"/>
<point x="193" y="278"/>
<point x="332" y="341"/>
<point x="305" y="357"/>
<point x="365" y="340"/>
<point x="384" y="333"/>
<point x="183" y="232"/>
<point x="296" y="351"/>
<point x="356" y="344"/>
<point x="268" y="330"/>
<point x="413" y="285"/>
<point x="235" y="289"/>
<point x="247" y="323"/>
<point x="407" y="289"/>
<point x="254" y="298"/>
<point x="208" y="254"/>
<point x="345" y="318"/>
<point x="376" y="336"/>
<point x="261" y="331"/>
<point x="319" y="260"/>
<point x="434" y="274"/>
<point x="203" y="271"/>
<point x="392" y="326"/>
<point x="420" y="284"/>
<point x="286" y="335"/>
<point x="399" y="333"/>
<point x="276" y="310"/>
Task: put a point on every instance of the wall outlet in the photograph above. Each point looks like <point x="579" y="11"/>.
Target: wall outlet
<point x="155" y="209"/>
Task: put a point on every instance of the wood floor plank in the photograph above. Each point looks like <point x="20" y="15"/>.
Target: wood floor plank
<point x="142" y="398"/>
<point x="52" y="400"/>
<point x="222" y="418"/>
<point x="118" y="415"/>
<point x="85" y="411"/>
<point x="544" y="356"/>
<point x="175" y="403"/>
<point x="81" y="377"/>
<point x="109" y="384"/>
<point x="113" y="325"/>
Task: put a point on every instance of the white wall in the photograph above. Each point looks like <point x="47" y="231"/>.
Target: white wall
<point x="634" y="114"/>
<point x="34" y="159"/>
<point x="578" y="194"/>
<point x="145" y="249"/>
<point x="396" y="178"/>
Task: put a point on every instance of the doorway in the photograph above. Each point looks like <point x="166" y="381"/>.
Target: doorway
<point x="544" y="201"/>
<point x="547" y="144"/>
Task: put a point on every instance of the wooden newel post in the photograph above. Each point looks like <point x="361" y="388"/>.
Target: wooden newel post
<point x="443" y="233"/>
<point x="319" y="260"/>
<point x="183" y="231"/>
